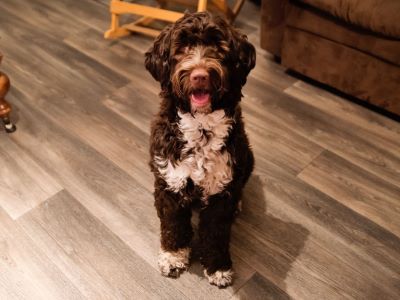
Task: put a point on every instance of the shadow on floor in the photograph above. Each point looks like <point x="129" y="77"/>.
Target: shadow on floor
<point x="265" y="242"/>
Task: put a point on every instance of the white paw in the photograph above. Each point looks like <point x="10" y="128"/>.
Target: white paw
<point x="173" y="263"/>
<point x="220" y="278"/>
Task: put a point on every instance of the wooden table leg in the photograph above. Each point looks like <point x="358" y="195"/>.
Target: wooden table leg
<point x="5" y="108"/>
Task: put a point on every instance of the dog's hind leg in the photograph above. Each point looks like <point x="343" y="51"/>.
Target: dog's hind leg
<point x="214" y="232"/>
<point x="176" y="233"/>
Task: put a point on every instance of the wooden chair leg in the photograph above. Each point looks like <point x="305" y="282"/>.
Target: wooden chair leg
<point x="230" y="13"/>
<point x="5" y="108"/>
<point x="148" y="13"/>
<point x="115" y="31"/>
<point x="202" y="5"/>
<point x="236" y="8"/>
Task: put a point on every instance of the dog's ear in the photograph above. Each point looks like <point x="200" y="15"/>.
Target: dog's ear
<point x="244" y="55"/>
<point x="157" y="57"/>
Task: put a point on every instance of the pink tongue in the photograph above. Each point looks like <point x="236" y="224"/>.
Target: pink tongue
<point x="200" y="99"/>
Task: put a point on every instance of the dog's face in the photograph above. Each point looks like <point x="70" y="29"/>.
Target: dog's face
<point x="202" y="62"/>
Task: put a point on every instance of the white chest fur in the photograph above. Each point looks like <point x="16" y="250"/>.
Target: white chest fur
<point x="203" y="160"/>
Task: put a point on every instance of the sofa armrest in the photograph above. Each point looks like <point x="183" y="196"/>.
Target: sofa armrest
<point x="272" y="25"/>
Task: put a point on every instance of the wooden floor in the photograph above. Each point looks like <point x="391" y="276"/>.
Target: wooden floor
<point x="321" y="216"/>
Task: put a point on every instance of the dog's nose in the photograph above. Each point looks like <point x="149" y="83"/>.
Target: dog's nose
<point x="199" y="76"/>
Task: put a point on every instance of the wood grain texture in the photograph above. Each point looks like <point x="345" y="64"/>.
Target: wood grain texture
<point x="26" y="271"/>
<point x="41" y="14"/>
<point x="345" y="139"/>
<point x="61" y="19"/>
<point x="90" y="115"/>
<point x="120" y="57"/>
<point x="259" y="288"/>
<point x="78" y="241"/>
<point x="275" y="143"/>
<point x="286" y="223"/>
<point x="320" y="214"/>
<point x="374" y="123"/>
<point x="23" y="183"/>
<point x="358" y="190"/>
<point x="139" y="112"/>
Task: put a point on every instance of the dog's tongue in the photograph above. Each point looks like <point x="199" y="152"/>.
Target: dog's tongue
<point x="200" y="99"/>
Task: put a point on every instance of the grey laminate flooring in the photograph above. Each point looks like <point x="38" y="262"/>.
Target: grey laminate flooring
<point x="321" y="214"/>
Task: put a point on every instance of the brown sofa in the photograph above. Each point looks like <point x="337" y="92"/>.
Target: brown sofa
<point x="351" y="45"/>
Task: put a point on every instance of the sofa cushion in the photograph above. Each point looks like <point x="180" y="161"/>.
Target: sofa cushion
<point x="331" y="28"/>
<point x="343" y="68"/>
<point x="380" y="16"/>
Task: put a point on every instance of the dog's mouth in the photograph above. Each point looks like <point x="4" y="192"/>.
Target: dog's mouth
<point x="200" y="98"/>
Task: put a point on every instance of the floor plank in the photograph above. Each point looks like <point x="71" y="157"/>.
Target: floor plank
<point x="62" y="104"/>
<point x="353" y="143"/>
<point x="139" y="112"/>
<point x="63" y="18"/>
<point x="268" y="71"/>
<point x="292" y="229"/>
<point x="259" y="288"/>
<point x="370" y="121"/>
<point x="64" y="66"/>
<point x="80" y="241"/>
<point x="273" y="142"/>
<point x="120" y="57"/>
<point x="41" y="15"/>
<point x="361" y="191"/>
<point x="23" y="183"/>
<point x="26" y="271"/>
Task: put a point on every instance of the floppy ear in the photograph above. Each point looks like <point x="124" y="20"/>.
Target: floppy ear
<point x="157" y="57"/>
<point x="244" y="55"/>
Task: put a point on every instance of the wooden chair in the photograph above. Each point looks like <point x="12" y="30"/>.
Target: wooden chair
<point x="5" y="108"/>
<point x="148" y="13"/>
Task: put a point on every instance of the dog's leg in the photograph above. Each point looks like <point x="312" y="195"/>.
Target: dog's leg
<point x="214" y="232"/>
<point x="176" y="233"/>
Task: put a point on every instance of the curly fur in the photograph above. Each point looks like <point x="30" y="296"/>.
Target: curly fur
<point x="199" y="152"/>
<point x="203" y="162"/>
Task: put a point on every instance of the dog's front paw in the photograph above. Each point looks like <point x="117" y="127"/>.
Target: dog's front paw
<point x="172" y="264"/>
<point x="220" y="278"/>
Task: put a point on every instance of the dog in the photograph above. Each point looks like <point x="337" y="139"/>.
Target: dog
<point x="198" y="146"/>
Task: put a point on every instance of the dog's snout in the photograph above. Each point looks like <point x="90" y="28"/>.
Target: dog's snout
<point x="199" y="76"/>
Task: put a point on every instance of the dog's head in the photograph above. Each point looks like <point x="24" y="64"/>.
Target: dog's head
<point x="202" y="62"/>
